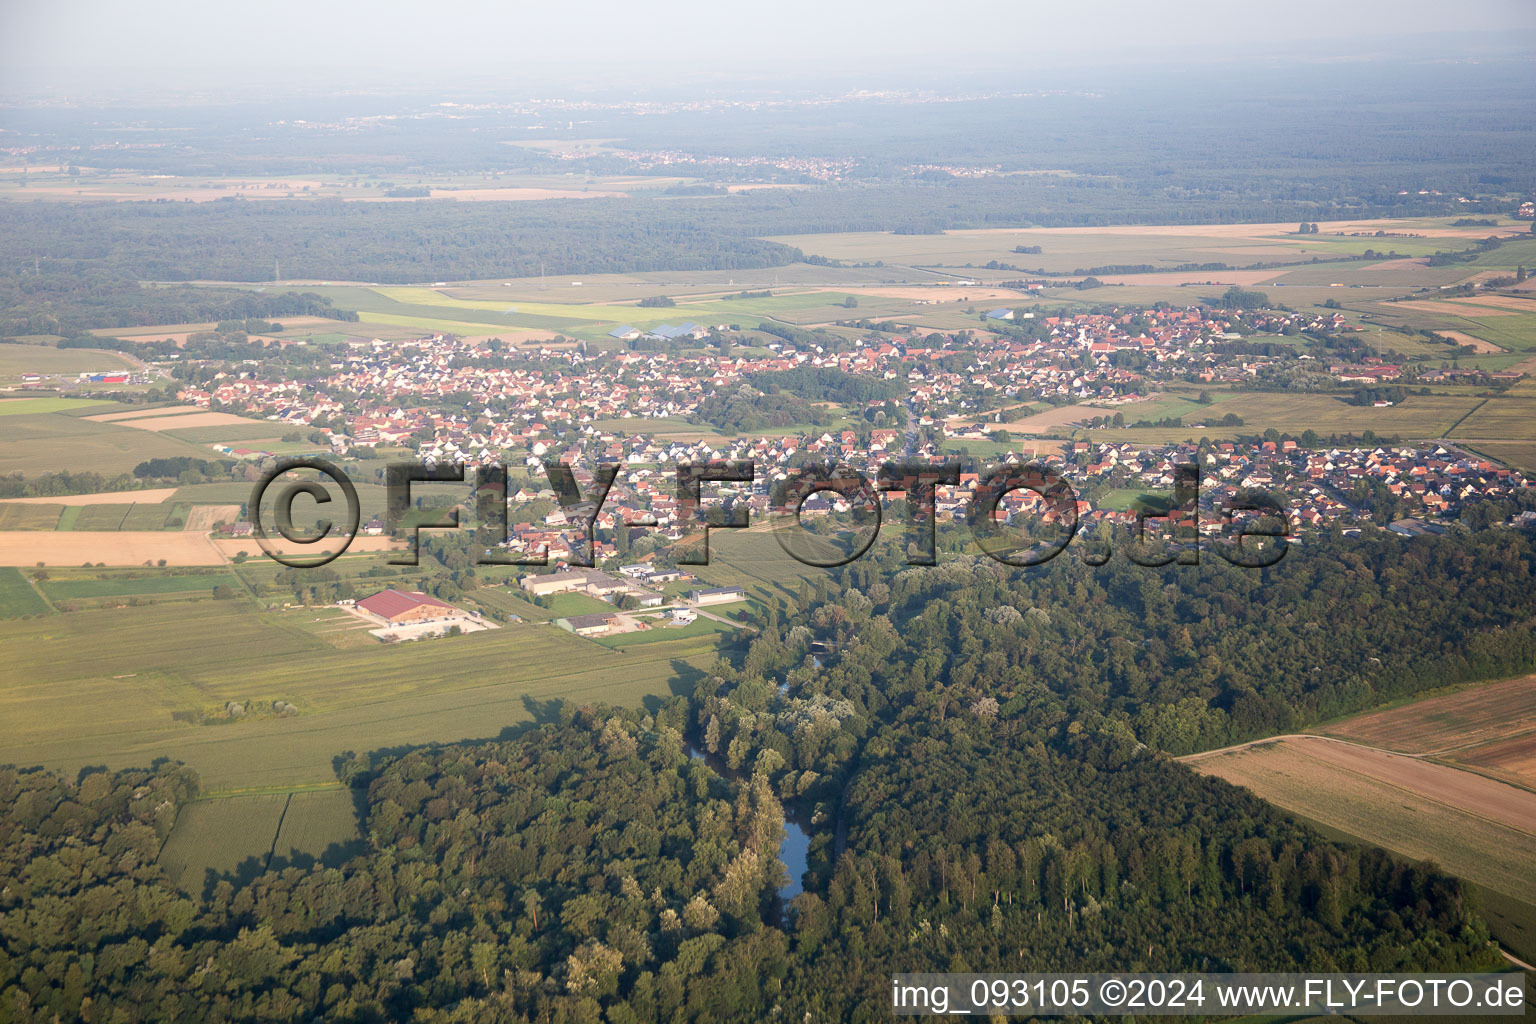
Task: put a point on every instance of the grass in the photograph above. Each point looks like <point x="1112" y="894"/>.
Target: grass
<point x="17" y="596"/>
<point x="659" y="634"/>
<point x="1500" y="419"/>
<point x="1520" y="455"/>
<point x="29" y="517"/>
<point x="108" y="584"/>
<point x="32" y="406"/>
<point x="101" y="687"/>
<point x="48" y="442"/>
<point x="16" y="360"/>
<point x="565" y="605"/>
<point x="232" y="836"/>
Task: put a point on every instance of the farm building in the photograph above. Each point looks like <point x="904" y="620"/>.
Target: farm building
<point x="399" y="607"/>
<point x="717" y="595"/>
<point x="1000" y="314"/>
<point x="589" y="581"/>
<point x="589" y="625"/>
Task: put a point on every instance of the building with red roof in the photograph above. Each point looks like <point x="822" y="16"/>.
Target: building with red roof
<point x="398" y="607"/>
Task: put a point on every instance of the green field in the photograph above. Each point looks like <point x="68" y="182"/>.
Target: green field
<point x="16" y="360"/>
<point x="507" y="601"/>
<point x="227" y="836"/>
<point x="319" y="826"/>
<point x="34" y="443"/>
<point x="565" y="605"/>
<point x="32" y="406"/>
<point x="666" y="634"/>
<point x="1500" y="419"/>
<point x="1519" y="454"/>
<point x="17" y="597"/>
<point x="64" y="585"/>
<point x="122" y="686"/>
<point x="19" y="516"/>
<point x="1418" y="416"/>
<point x="753" y="559"/>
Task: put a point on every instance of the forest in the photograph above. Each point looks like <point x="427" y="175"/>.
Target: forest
<point x="980" y="756"/>
<point x="68" y="298"/>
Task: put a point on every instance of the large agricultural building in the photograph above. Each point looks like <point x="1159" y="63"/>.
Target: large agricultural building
<point x="401" y="607"/>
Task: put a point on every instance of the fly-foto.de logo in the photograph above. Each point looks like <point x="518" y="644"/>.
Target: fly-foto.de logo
<point x="1019" y="515"/>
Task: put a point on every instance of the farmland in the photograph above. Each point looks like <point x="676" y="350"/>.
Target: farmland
<point x="230" y="836"/>
<point x="129" y="688"/>
<point x="241" y="835"/>
<point x="37" y="442"/>
<point x="17" y="597"/>
<point x="16" y="360"/>
<point x="1478" y="828"/>
<point x="1490" y="728"/>
<point x="109" y="545"/>
<point x="753" y="559"/>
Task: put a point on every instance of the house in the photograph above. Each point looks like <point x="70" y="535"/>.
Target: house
<point x="399" y="607"/>
<point x="682" y="616"/>
<point x="717" y="595"/>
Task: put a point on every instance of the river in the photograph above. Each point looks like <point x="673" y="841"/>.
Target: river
<point x="794" y="849"/>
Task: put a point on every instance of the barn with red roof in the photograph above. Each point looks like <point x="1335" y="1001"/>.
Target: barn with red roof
<point x="398" y="607"/>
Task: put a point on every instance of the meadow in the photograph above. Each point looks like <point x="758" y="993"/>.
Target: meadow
<point x="1065" y="250"/>
<point x="50" y="440"/>
<point x="238" y="836"/>
<point x="17" y="596"/>
<point x="754" y="560"/>
<point x="1418" y="416"/>
<point x="1500" y="419"/>
<point x="122" y="686"/>
<point x="16" y="360"/>
<point x="72" y="584"/>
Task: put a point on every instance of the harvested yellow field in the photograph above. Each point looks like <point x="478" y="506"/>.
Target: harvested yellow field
<point x="1476" y="827"/>
<point x="186" y="421"/>
<point x="128" y="547"/>
<point x="1053" y="419"/>
<point x="1477" y="344"/>
<point x="1449" y="722"/>
<point x="1500" y="302"/>
<point x="202" y="518"/>
<point x="149" y="497"/>
<point x="136" y="414"/>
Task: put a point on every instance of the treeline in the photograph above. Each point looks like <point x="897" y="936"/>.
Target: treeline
<point x="589" y="870"/>
<point x="70" y="296"/>
<point x="745" y="410"/>
<point x="827" y="384"/>
<point x="238" y="240"/>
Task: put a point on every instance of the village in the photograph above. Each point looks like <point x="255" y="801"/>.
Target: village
<point x="446" y="401"/>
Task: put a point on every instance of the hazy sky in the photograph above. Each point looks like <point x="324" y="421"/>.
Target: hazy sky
<point x="280" y="44"/>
